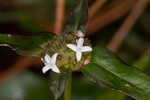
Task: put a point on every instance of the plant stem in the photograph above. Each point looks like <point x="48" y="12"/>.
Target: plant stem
<point x="60" y="10"/>
<point x="95" y="7"/>
<point x="109" y="14"/>
<point x="67" y="93"/>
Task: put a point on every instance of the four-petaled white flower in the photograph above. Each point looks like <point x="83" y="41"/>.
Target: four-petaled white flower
<point x="79" y="48"/>
<point x="50" y="63"/>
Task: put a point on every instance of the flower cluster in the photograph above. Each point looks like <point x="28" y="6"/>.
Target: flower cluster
<point x="50" y="62"/>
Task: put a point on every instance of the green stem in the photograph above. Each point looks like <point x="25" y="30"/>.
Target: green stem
<point x="78" y="18"/>
<point x="67" y="93"/>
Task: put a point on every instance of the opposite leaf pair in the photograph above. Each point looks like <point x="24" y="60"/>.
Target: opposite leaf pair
<point x="50" y="62"/>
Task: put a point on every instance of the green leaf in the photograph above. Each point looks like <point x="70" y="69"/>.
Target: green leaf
<point x="81" y="87"/>
<point x="57" y="84"/>
<point x="31" y="45"/>
<point x="78" y="17"/>
<point x="109" y="70"/>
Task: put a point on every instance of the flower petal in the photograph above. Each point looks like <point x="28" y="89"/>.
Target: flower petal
<point x="47" y="58"/>
<point x="78" y="56"/>
<point x="55" y="69"/>
<point x="80" y="42"/>
<point x="53" y="59"/>
<point x="72" y="47"/>
<point x="86" y="49"/>
<point x="45" y="69"/>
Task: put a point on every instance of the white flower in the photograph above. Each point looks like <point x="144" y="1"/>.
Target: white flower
<point x="50" y="63"/>
<point x="79" y="48"/>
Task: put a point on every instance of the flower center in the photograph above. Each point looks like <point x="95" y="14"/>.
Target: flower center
<point x="78" y="49"/>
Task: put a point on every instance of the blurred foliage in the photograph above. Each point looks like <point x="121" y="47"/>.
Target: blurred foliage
<point x="26" y="86"/>
<point x="29" y="86"/>
<point x="144" y="62"/>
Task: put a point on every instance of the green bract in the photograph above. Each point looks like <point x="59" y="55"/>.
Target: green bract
<point x="66" y="58"/>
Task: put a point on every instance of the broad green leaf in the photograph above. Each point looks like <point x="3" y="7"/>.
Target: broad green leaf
<point x="31" y="45"/>
<point x="57" y="84"/>
<point x="109" y="70"/>
<point x="78" y="17"/>
<point x="82" y="89"/>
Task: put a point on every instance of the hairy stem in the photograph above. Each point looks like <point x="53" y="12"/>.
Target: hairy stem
<point x="67" y="93"/>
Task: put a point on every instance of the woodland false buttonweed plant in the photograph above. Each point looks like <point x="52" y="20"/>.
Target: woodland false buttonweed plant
<point x="101" y="65"/>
